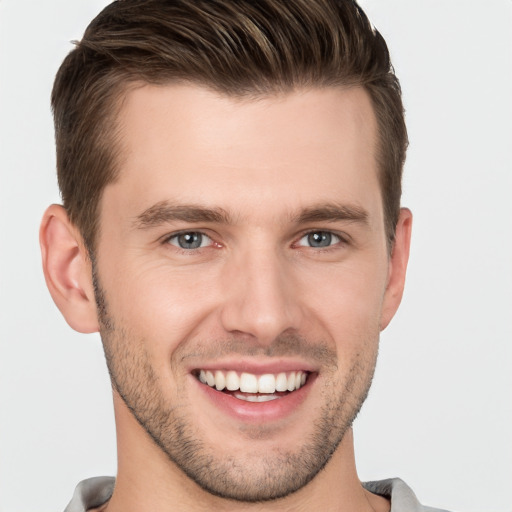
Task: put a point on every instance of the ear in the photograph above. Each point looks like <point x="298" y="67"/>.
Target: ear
<point x="397" y="267"/>
<point x="67" y="270"/>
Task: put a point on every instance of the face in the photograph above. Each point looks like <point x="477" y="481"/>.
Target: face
<point x="241" y="274"/>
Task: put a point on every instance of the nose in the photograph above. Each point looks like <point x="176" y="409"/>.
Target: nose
<point x="260" y="299"/>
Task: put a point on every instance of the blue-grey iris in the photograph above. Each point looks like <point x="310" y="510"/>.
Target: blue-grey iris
<point x="190" y="240"/>
<point x="320" y="239"/>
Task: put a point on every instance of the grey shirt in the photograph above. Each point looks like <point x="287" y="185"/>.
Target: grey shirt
<point x="94" y="492"/>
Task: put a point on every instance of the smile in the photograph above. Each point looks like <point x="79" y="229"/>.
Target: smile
<point x="251" y="387"/>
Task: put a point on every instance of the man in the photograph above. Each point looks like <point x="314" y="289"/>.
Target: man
<point x="230" y="173"/>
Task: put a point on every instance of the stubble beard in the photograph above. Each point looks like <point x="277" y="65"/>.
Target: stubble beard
<point x="248" y="477"/>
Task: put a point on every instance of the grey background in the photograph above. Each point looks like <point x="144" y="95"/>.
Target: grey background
<point x="440" y="411"/>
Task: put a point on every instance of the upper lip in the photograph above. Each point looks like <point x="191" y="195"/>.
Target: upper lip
<point x="254" y="366"/>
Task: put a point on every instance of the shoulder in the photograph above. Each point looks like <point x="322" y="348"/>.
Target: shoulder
<point x="91" y="493"/>
<point x="400" y="494"/>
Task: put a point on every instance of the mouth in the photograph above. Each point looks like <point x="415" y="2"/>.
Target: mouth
<point x="250" y="387"/>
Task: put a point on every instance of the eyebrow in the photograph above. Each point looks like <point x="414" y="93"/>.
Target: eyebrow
<point x="332" y="212"/>
<point x="164" y="212"/>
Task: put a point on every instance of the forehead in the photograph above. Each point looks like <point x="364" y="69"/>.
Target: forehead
<point x="190" y="144"/>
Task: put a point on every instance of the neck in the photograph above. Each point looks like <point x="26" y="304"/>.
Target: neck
<point x="148" y="480"/>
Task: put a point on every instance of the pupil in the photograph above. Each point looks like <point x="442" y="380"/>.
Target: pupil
<point x="319" y="239"/>
<point x="190" y="240"/>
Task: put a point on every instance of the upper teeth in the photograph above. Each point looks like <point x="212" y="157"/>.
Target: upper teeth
<point x="250" y="383"/>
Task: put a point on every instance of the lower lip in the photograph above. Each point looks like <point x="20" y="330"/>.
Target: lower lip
<point x="258" y="412"/>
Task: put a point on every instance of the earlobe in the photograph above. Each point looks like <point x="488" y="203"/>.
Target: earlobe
<point x="397" y="267"/>
<point x="67" y="270"/>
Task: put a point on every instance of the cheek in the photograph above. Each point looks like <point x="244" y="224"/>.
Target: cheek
<point x="167" y="306"/>
<point x="160" y="304"/>
<point x="349" y="306"/>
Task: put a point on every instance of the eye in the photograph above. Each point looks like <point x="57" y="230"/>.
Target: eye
<point x="190" y="240"/>
<point x="319" y="239"/>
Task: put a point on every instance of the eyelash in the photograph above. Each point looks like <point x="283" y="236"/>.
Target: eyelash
<point x="175" y="236"/>
<point x="341" y="240"/>
<point x="330" y="235"/>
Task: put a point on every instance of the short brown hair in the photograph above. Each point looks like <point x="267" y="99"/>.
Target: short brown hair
<point x="236" y="47"/>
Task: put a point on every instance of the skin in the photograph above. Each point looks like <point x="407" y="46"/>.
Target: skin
<point x="256" y="293"/>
